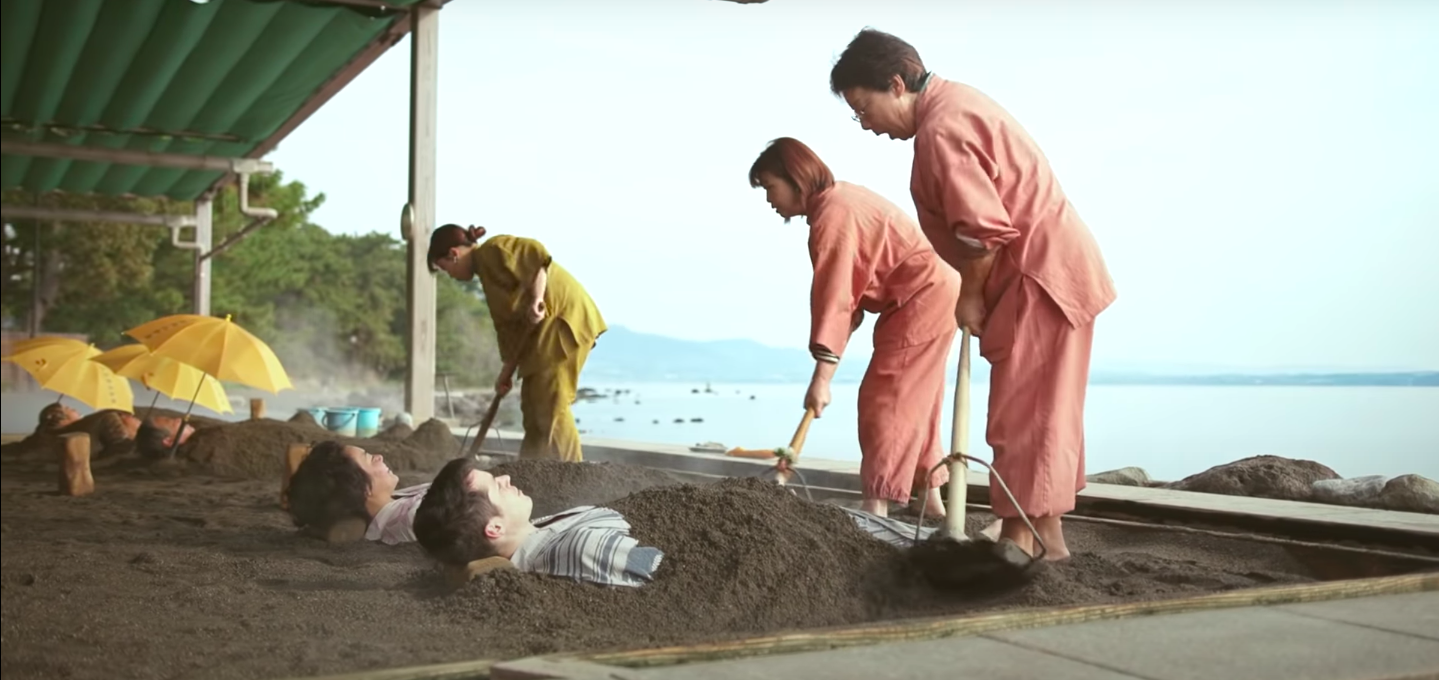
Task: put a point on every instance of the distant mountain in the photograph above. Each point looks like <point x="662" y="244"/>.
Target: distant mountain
<point x="623" y="354"/>
<point x="629" y="356"/>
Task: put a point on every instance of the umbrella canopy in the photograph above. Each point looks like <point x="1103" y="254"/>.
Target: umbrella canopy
<point x="219" y="347"/>
<point x="167" y="376"/>
<point x="63" y="365"/>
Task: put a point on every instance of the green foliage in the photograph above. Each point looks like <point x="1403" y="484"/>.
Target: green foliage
<point x="332" y="306"/>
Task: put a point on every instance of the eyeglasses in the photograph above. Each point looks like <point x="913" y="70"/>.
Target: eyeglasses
<point x="858" y="116"/>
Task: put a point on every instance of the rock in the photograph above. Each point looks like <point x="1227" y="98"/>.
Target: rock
<point x="1260" y="477"/>
<point x="1355" y="491"/>
<point x="1411" y="493"/>
<point x="1126" y="476"/>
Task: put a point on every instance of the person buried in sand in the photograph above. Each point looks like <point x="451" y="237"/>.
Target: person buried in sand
<point x="338" y="490"/>
<point x="470" y="516"/>
<point x="110" y="430"/>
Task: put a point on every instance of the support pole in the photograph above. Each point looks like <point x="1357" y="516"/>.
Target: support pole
<point x="204" y="236"/>
<point x="35" y="281"/>
<point x="424" y="71"/>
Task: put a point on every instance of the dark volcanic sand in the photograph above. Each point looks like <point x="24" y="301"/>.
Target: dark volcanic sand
<point x="255" y="449"/>
<point x="162" y="576"/>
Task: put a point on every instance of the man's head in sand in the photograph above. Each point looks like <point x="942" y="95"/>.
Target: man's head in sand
<point x="155" y="436"/>
<point x="56" y="416"/>
<point x="337" y="482"/>
<point x="469" y="514"/>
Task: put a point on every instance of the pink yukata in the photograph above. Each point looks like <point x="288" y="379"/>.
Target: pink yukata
<point x="871" y="257"/>
<point x="979" y="180"/>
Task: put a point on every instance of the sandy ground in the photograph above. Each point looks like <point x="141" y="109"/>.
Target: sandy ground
<point x="191" y="571"/>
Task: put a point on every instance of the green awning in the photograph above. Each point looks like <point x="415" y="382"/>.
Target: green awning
<point x="223" y="78"/>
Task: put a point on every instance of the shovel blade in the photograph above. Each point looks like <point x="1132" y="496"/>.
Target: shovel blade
<point x="951" y="562"/>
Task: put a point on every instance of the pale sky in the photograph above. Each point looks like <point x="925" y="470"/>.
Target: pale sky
<point x="1261" y="179"/>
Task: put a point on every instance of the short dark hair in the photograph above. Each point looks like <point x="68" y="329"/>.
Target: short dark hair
<point x="872" y="59"/>
<point x="150" y="440"/>
<point x="328" y="487"/>
<point x="50" y="417"/>
<point x="450" y="522"/>
<point x="790" y="160"/>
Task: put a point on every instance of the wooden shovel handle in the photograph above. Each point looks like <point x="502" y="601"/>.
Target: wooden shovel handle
<point x="796" y="444"/>
<point x="738" y="452"/>
<point x="485" y="424"/>
<point x="797" y="441"/>
<point x="489" y="418"/>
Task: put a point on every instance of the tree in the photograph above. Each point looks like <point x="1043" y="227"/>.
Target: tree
<point x="331" y="306"/>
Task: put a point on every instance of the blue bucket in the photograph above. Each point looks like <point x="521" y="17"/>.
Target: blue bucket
<point x="341" y="421"/>
<point x="318" y="414"/>
<point x="367" y="424"/>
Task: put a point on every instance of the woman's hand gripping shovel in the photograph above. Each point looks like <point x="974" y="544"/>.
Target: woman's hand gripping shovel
<point x="784" y="468"/>
<point x="949" y="558"/>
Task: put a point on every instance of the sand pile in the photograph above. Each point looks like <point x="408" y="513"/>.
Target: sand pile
<point x="396" y="432"/>
<point x="744" y="557"/>
<point x="303" y="417"/>
<point x="557" y="486"/>
<point x="256" y="448"/>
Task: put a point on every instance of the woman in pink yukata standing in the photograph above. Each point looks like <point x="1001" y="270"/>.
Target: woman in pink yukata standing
<point x="1033" y="276"/>
<point x="869" y="256"/>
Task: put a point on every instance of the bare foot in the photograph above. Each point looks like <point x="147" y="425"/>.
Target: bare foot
<point x="875" y="506"/>
<point x="933" y="504"/>
<point x="992" y="531"/>
<point x="1052" y="533"/>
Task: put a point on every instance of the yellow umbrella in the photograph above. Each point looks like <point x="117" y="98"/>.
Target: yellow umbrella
<point x="216" y="346"/>
<point x="167" y="376"/>
<point x="41" y="357"/>
<point x="62" y="365"/>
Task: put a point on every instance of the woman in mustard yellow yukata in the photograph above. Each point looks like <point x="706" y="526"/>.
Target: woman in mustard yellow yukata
<point x="869" y="256"/>
<point x="545" y="322"/>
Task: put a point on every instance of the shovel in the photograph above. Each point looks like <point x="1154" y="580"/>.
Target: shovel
<point x="494" y="409"/>
<point x="949" y="558"/>
<point x="784" y="468"/>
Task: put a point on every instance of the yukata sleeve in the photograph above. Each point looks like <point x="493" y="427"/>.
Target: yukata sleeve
<point x="832" y="304"/>
<point x="972" y="207"/>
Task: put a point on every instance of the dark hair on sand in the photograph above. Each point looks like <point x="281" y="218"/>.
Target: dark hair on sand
<point x="328" y="487"/>
<point x="150" y="440"/>
<point x="451" y="236"/>
<point x="450" y="522"/>
<point x="50" y="417"/>
<point x="872" y="59"/>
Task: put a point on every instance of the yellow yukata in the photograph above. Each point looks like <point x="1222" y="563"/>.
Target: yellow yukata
<point x="550" y="360"/>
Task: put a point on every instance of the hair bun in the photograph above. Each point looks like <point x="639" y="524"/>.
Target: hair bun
<point x="475" y="233"/>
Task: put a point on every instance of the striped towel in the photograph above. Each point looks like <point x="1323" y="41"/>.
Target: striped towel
<point x="892" y="531"/>
<point x="588" y="543"/>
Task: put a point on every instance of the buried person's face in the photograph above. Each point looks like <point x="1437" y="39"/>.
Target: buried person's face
<point x="512" y="509"/>
<point x="382" y="480"/>
<point x="70" y="415"/>
<point x="170" y="425"/>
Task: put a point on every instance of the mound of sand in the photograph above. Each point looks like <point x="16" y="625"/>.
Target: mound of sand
<point x="1260" y="476"/>
<point x="256" y="448"/>
<point x="743" y="556"/>
<point x="556" y="486"/>
<point x="396" y="432"/>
